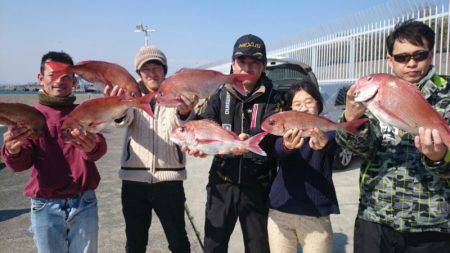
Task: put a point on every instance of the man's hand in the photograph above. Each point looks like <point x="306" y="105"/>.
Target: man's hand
<point x="187" y="105"/>
<point x="241" y="150"/>
<point x="430" y="143"/>
<point x="193" y="152"/>
<point x="292" y="139"/>
<point x="83" y="141"/>
<point x="353" y="110"/>
<point x="12" y="139"/>
<point x="114" y="91"/>
<point x="318" y="139"/>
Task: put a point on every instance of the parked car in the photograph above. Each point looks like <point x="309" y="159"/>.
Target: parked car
<point x="285" y="72"/>
<point x="334" y="104"/>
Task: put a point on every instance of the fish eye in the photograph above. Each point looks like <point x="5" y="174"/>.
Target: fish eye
<point x="133" y="94"/>
<point x="356" y="94"/>
<point x="370" y="78"/>
<point x="68" y="130"/>
<point x="271" y="122"/>
<point x="161" y="93"/>
<point x="182" y="129"/>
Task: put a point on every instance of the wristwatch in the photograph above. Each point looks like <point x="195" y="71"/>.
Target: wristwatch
<point x="440" y="162"/>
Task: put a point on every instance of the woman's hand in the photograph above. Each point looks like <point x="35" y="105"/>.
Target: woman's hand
<point x="292" y="139"/>
<point x="318" y="139"/>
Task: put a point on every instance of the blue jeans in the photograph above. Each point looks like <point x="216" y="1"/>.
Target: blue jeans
<point x="65" y="225"/>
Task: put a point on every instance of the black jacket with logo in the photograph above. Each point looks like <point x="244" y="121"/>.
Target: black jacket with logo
<point x="244" y="115"/>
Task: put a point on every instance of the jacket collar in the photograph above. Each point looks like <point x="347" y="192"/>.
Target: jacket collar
<point x="431" y="82"/>
<point x="261" y="87"/>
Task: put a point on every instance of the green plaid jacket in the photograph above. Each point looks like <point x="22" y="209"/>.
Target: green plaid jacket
<point x="398" y="187"/>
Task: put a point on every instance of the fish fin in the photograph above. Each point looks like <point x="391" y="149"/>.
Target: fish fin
<point x="402" y="123"/>
<point x="206" y="141"/>
<point x="16" y="135"/>
<point x="352" y="126"/>
<point x="144" y="103"/>
<point x="252" y="143"/>
<point x="210" y="121"/>
<point x="238" y="79"/>
<point x="58" y="69"/>
<point x="182" y="70"/>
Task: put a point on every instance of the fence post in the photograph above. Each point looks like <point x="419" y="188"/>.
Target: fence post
<point x="352" y="65"/>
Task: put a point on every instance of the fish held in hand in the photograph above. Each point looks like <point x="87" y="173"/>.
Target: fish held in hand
<point x="95" y="114"/>
<point x="279" y="123"/>
<point x="210" y="138"/>
<point x="399" y="103"/>
<point x="17" y="115"/>
<point x="106" y="73"/>
<point x="198" y="82"/>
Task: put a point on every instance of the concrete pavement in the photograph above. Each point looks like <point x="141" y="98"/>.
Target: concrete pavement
<point x="15" y="217"/>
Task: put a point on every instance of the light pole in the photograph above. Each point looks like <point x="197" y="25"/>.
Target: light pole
<point x="146" y="30"/>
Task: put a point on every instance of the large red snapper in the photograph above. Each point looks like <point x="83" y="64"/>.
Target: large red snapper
<point x="106" y="73"/>
<point x="210" y="138"/>
<point x="399" y="103"/>
<point x="17" y="115"/>
<point x="95" y="114"/>
<point x="279" y="123"/>
<point x="199" y="82"/>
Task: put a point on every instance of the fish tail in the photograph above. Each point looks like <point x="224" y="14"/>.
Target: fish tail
<point x="352" y="126"/>
<point x="252" y="143"/>
<point x="144" y="103"/>
<point x="58" y="69"/>
<point x="238" y="79"/>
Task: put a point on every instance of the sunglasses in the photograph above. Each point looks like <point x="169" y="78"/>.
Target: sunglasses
<point x="417" y="57"/>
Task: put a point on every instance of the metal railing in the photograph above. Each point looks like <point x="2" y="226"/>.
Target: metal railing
<point x="347" y="49"/>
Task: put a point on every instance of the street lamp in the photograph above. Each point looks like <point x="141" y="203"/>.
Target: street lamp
<point x="145" y="29"/>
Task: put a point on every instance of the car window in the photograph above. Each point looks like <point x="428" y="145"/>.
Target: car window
<point x="284" y="74"/>
<point x="341" y="96"/>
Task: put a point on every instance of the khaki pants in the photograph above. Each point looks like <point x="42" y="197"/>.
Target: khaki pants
<point x="287" y="230"/>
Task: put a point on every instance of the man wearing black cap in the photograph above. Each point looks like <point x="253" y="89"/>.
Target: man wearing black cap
<point x="239" y="184"/>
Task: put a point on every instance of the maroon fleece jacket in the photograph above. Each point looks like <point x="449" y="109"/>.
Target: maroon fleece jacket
<point x="58" y="169"/>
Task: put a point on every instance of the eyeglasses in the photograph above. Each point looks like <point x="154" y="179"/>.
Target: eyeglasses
<point x="308" y="104"/>
<point x="417" y="57"/>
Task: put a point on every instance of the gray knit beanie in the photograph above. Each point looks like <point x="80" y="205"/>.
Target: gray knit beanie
<point x="149" y="53"/>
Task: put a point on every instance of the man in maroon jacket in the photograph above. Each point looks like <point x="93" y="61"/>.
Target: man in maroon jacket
<point x="64" y="214"/>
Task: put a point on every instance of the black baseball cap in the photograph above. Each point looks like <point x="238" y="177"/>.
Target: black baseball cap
<point x="251" y="46"/>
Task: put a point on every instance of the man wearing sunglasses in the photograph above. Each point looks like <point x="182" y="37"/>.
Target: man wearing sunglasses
<point x="404" y="184"/>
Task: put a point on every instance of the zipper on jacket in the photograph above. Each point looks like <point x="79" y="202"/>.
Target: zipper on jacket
<point x="153" y="169"/>
<point x="242" y="130"/>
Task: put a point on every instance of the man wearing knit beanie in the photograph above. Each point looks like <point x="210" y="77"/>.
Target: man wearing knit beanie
<point x="152" y="168"/>
<point x="150" y="53"/>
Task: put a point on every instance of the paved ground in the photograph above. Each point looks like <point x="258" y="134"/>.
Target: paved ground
<point x="14" y="207"/>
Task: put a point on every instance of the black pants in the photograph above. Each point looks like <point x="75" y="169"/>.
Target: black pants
<point x="167" y="199"/>
<point x="372" y="237"/>
<point x="225" y="203"/>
